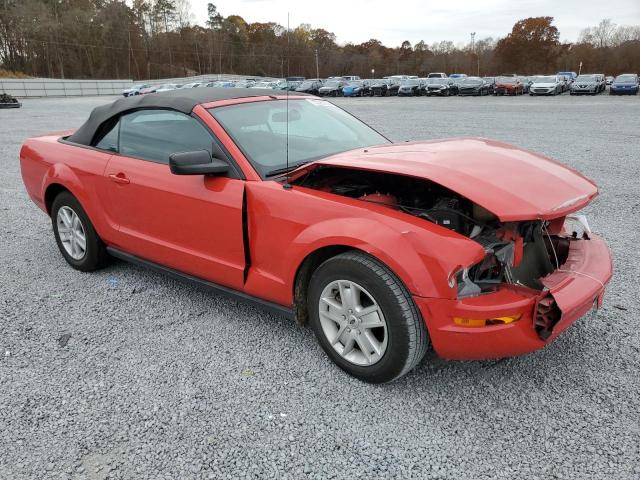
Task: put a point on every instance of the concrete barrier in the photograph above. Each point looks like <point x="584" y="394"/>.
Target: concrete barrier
<point x="54" y="87"/>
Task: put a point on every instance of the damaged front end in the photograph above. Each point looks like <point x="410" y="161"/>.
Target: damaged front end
<point x="537" y="275"/>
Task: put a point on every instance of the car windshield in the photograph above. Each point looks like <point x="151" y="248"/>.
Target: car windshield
<point x="306" y="84"/>
<point x="332" y="83"/>
<point x="544" y="79"/>
<point x="506" y="80"/>
<point x="437" y="81"/>
<point x="315" y="128"/>
<point x="411" y="82"/>
<point x="586" y="78"/>
<point x="625" y="79"/>
<point x="471" y="81"/>
<point x="489" y="79"/>
<point x="356" y="83"/>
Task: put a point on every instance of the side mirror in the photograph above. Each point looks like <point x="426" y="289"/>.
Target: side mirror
<point x="199" y="162"/>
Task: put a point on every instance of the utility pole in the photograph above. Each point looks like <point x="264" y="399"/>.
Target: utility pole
<point x="317" y="65"/>
<point x="473" y="52"/>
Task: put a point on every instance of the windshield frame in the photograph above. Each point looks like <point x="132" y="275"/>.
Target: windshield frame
<point x="277" y="170"/>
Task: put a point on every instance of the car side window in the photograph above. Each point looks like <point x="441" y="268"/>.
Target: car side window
<point x="156" y="134"/>
<point x="109" y="140"/>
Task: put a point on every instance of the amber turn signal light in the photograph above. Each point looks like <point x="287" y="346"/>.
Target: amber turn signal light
<point x="483" y="322"/>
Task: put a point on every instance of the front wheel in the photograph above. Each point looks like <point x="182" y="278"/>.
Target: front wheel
<point x="365" y="319"/>
<point x="76" y="238"/>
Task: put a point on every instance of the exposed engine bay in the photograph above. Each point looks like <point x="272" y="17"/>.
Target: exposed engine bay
<point x="518" y="253"/>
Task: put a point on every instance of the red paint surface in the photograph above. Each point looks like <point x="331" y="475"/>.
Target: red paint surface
<point x="194" y="224"/>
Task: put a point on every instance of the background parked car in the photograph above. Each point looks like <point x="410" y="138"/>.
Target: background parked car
<point x="357" y="88"/>
<point x="437" y="75"/>
<point x="491" y="81"/>
<point x="385" y="87"/>
<point x="440" y="86"/>
<point x="526" y="84"/>
<point x="192" y="85"/>
<point x="475" y="86"/>
<point x="267" y="84"/>
<point x="351" y="77"/>
<point x="571" y="76"/>
<point x="311" y="86"/>
<point x="565" y="83"/>
<point x="411" y="87"/>
<point x="248" y="83"/>
<point x="508" y="86"/>
<point x="167" y="87"/>
<point x="149" y="89"/>
<point x="135" y="89"/>
<point x="602" y="81"/>
<point x="546" y="85"/>
<point x="609" y="79"/>
<point x="625" y="84"/>
<point x="332" y="88"/>
<point x="221" y="84"/>
<point x="585" y="84"/>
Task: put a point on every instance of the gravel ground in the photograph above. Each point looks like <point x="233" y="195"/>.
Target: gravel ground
<point x="127" y="374"/>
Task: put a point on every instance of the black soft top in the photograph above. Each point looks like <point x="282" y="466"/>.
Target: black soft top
<point x="182" y="100"/>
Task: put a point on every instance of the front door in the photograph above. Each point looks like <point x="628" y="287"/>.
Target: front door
<point x="191" y="223"/>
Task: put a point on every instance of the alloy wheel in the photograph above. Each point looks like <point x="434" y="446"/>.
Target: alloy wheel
<point x="353" y="322"/>
<point x="71" y="232"/>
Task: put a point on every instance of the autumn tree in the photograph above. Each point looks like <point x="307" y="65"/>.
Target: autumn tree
<point x="531" y="47"/>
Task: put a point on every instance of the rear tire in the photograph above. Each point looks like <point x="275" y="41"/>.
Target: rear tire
<point x="75" y="235"/>
<point x="349" y="283"/>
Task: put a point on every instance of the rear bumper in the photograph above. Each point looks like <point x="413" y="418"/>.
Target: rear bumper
<point x="575" y="288"/>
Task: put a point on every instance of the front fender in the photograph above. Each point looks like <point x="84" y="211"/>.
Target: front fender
<point x="421" y="259"/>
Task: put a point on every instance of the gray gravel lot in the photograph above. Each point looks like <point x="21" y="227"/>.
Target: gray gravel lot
<point x="161" y="380"/>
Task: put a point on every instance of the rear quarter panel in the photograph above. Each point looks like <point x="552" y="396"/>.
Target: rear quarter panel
<point x="45" y="161"/>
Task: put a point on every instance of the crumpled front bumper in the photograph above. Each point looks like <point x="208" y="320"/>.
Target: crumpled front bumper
<point x="575" y="288"/>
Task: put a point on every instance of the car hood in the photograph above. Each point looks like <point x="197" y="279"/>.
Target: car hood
<point x="512" y="183"/>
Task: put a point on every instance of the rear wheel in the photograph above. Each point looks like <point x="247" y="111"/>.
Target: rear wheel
<point x="76" y="238"/>
<point x="365" y="319"/>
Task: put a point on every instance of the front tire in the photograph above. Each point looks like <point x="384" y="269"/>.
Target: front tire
<point x="75" y="235"/>
<point x="365" y="319"/>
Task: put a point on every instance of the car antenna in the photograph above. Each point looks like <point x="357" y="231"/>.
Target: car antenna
<point x="287" y="185"/>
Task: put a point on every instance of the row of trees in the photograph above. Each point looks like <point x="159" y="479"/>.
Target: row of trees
<point x="146" y="39"/>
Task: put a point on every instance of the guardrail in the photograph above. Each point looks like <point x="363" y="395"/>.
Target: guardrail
<point x="51" y="87"/>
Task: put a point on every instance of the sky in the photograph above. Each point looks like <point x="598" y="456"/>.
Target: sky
<point x="392" y="21"/>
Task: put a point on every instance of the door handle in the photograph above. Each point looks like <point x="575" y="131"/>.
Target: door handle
<point x="120" y="178"/>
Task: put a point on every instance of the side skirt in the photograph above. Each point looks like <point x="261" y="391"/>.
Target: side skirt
<point x="199" y="282"/>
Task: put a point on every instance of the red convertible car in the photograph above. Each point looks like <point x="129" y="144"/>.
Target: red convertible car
<point x="467" y="245"/>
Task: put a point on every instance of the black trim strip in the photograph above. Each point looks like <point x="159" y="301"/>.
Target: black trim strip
<point x="199" y="282"/>
<point x="245" y="236"/>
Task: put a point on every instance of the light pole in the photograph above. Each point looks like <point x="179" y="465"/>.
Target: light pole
<point x="473" y="51"/>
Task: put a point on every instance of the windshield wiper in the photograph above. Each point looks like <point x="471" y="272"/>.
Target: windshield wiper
<point x="279" y="171"/>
